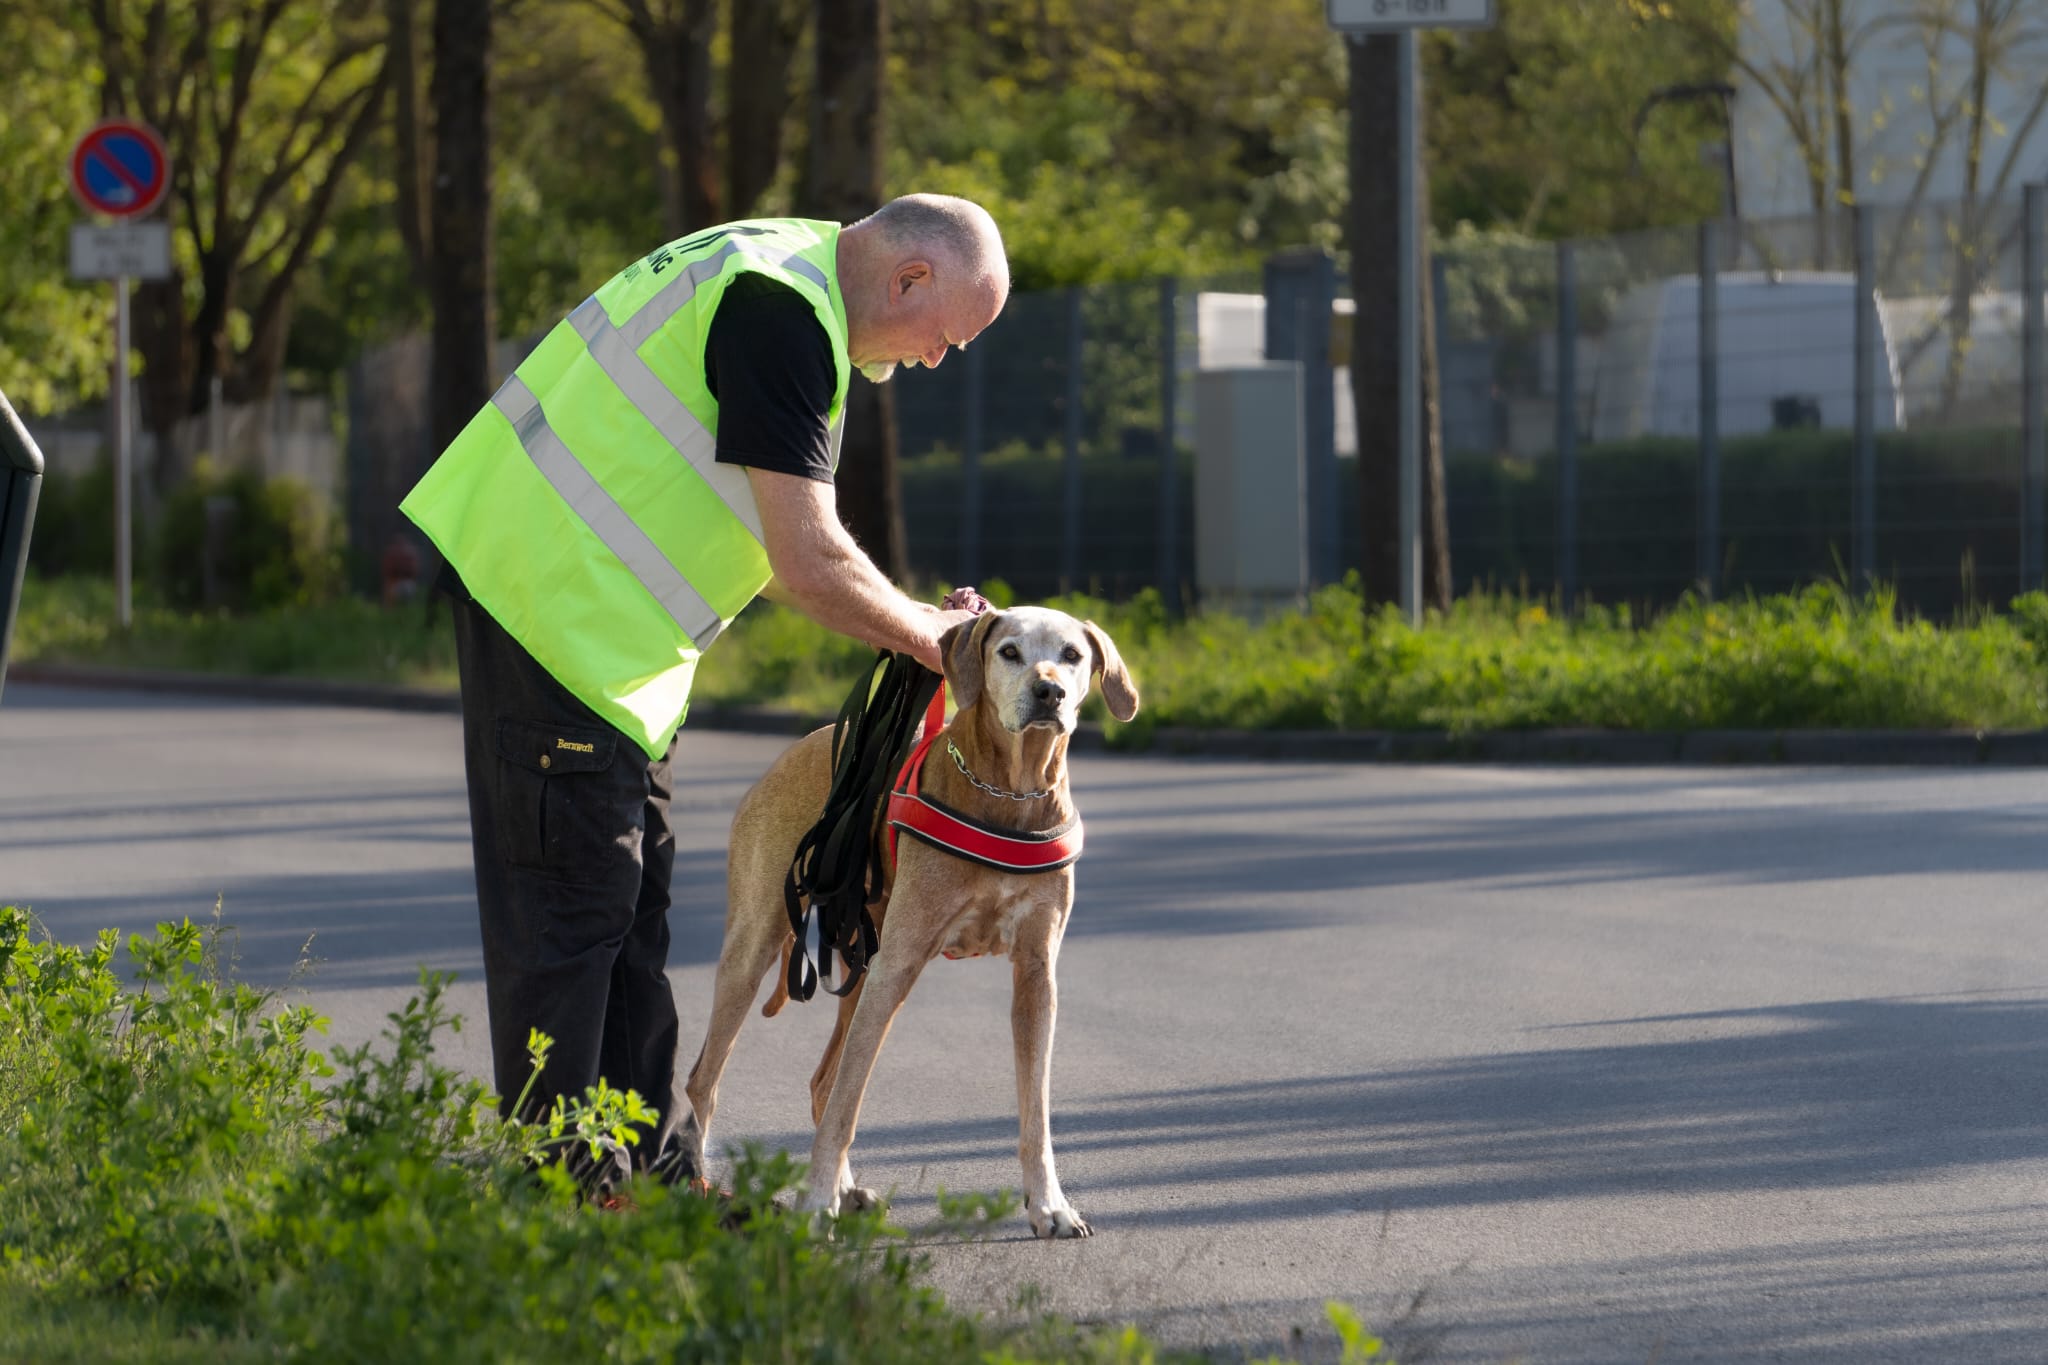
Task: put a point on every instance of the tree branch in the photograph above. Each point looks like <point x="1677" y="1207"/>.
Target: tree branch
<point x="269" y="307"/>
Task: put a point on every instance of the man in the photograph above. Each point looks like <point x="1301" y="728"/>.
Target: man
<point x="664" y="455"/>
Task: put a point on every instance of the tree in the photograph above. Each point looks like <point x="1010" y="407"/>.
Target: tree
<point x="2003" y="40"/>
<point x="56" y="335"/>
<point x="465" y="323"/>
<point x="1532" y="124"/>
<point x="763" y="36"/>
<point x="674" y="37"/>
<point x="842" y="181"/>
<point x="263" y="105"/>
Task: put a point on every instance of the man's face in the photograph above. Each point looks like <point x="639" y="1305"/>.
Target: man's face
<point x="920" y="320"/>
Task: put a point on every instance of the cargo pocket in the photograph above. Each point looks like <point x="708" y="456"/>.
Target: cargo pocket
<point x="563" y="810"/>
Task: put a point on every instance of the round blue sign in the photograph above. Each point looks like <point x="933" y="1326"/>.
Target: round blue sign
<point x="120" y="168"/>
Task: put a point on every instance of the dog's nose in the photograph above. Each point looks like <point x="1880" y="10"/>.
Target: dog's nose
<point x="1048" y="691"/>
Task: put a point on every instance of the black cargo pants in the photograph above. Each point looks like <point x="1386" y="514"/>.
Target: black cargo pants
<point x="569" y="820"/>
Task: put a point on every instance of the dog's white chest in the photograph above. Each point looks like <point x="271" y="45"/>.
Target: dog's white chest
<point x="993" y="928"/>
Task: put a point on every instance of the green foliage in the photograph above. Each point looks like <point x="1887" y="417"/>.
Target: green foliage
<point x="74" y="526"/>
<point x="71" y="620"/>
<point x="1818" y="657"/>
<point x="180" y="1180"/>
<point x="1821" y="657"/>
<point x="1531" y="123"/>
<point x="1117" y="142"/>
<point x="56" y="335"/>
<point x="279" y="547"/>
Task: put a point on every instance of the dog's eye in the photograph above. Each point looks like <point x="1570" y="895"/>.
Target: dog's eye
<point x="1010" y="652"/>
<point x="1070" y="655"/>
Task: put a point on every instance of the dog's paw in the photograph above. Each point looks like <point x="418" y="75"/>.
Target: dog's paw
<point x="859" y="1197"/>
<point x="1064" y="1221"/>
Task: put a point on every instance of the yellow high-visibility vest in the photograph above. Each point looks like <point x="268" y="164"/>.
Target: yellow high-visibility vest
<point x="583" y="506"/>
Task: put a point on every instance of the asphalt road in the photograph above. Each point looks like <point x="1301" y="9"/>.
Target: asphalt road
<point x="1577" y="1065"/>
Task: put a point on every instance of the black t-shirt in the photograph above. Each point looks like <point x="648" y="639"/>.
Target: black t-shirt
<point x="768" y="362"/>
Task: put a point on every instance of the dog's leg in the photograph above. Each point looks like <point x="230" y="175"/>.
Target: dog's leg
<point x="890" y="977"/>
<point x="828" y="1065"/>
<point x="749" y="951"/>
<point x="1034" y="1001"/>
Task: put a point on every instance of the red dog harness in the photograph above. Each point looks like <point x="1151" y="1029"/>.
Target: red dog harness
<point x="927" y="820"/>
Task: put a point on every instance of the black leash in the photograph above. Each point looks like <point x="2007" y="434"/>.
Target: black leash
<point x="838" y="869"/>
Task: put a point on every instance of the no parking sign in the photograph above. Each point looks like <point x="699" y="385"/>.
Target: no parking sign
<point x="120" y="169"/>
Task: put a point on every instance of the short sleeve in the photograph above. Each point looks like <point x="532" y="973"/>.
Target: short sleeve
<point x="769" y="364"/>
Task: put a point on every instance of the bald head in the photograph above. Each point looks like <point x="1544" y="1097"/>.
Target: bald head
<point x="920" y="275"/>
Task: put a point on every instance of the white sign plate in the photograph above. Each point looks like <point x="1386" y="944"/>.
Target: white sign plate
<point x="135" y="251"/>
<point x="1394" y="16"/>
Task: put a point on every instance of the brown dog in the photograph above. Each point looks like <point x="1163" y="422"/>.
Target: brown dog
<point x="1018" y="679"/>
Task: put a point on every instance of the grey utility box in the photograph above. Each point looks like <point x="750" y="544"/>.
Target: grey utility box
<point x="1251" y="488"/>
<point x="21" y="479"/>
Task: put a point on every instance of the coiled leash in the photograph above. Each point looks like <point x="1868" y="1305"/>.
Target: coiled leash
<point x="839" y="868"/>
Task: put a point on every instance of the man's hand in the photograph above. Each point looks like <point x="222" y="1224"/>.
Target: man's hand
<point x="941" y="621"/>
<point x="965" y="599"/>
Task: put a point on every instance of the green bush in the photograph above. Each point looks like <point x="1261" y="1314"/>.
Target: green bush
<point x="277" y="547"/>
<point x="71" y="620"/>
<point x="74" y="526"/>
<point x="182" y="1175"/>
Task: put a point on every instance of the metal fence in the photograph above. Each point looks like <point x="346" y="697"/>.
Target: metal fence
<point x="1724" y="407"/>
<point x="1727" y="408"/>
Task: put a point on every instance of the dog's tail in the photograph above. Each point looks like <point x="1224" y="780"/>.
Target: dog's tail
<point x="781" y="995"/>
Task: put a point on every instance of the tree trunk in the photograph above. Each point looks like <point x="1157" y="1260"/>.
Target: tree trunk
<point x="1436" y="521"/>
<point x="677" y="53"/>
<point x="461" y="275"/>
<point x="157" y="320"/>
<point x="763" y="37"/>
<point x="1375" y="243"/>
<point x="412" y="172"/>
<point x="843" y="181"/>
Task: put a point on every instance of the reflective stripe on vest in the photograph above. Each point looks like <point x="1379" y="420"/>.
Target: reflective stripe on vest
<point x="621" y="363"/>
<point x="602" y="514"/>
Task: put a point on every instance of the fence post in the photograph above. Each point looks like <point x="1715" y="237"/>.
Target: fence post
<point x="970" y="470"/>
<point x="21" y="480"/>
<point x="1709" y="512"/>
<point x="1070" y="493"/>
<point x="1169" y="457"/>
<point x="2033" y="392"/>
<point x="1567" y="428"/>
<point x="1863" y="481"/>
<point x="1301" y="291"/>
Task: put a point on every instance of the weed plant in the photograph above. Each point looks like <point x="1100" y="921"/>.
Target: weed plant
<point x="184" y="1176"/>
<point x="1823" y="657"/>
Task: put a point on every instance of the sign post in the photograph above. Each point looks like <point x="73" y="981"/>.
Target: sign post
<point x="120" y="169"/>
<point x="1358" y="20"/>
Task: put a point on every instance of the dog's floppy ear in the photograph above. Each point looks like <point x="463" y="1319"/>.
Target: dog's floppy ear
<point x="1117" y="688"/>
<point x="961" y="648"/>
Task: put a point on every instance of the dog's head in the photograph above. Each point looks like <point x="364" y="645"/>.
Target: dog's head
<point x="1033" y="667"/>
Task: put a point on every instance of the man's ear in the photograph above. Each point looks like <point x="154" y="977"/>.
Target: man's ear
<point x="1117" y="688"/>
<point x="911" y="275"/>
<point x="961" y="648"/>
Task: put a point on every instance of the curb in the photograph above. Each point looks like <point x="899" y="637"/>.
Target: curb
<point x="1817" y="748"/>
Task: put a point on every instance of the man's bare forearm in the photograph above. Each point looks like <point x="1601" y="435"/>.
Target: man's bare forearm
<point x="821" y="572"/>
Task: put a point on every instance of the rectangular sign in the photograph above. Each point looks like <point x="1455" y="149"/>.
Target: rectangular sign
<point x="136" y="251"/>
<point x="1393" y="16"/>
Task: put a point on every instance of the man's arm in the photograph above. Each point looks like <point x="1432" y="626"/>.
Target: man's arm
<point x="823" y="573"/>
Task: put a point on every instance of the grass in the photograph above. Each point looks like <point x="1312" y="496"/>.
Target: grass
<point x="185" y="1176"/>
<point x="1820" y="658"/>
